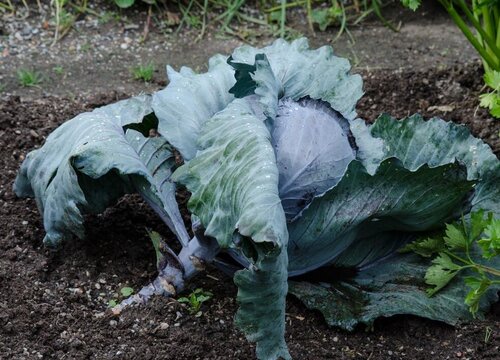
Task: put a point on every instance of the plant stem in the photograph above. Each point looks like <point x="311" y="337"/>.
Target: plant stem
<point x="477" y="25"/>
<point x="489" y="270"/>
<point x="204" y="23"/>
<point x="288" y="5"/>
<point x="378" y="12"/>
<point x="283" y="18"/>
<point x="472" y="264"/>
<point x="476" y="11"/>
<point x="468" y="34"/>
<point x="309" y="15"/>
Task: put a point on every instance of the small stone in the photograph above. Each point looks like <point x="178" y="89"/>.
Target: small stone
<point x="131" y="26"/>
<point x="335" y="339"/>
<point x="99" y="315"/>
<point x="459" y="354"/>
<point x="97" y="286"/>
<point x="113" y="322"/>
<point x="77" y="344"/>
<point x="164" y="326"/>
<point x="76" y="291"/>
<point x="124" y="46"/>
<point x="24" y="222"/>
<point x="26" y="31"/>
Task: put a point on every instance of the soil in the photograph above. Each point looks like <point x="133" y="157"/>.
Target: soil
<point x="53" y="304"/>
<point x="97" y="56"/>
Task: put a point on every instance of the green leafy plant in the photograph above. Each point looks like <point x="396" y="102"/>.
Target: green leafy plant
<point x="59" y="70"/>
<point x="29" y="78"/>
<point x="195" y="300"/>
<point x="484" y="17"/>
<point x="456" y="251"/>
<point x="108" y="16"/>
<point x="288" y="188"/>
<point x="491" y="100"/>
<point x="488" y="331"/>
<point x="125" y="292"/>
<point x="143" y="72"/>
<point x="327" y="16"/>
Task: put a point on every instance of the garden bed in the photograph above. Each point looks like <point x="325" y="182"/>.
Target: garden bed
<point x="53" y="304"/>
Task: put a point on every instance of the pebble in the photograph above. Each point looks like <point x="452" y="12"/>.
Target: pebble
<point x="124" y="46"/>
<point x="164" y="326"/>
<point x="113" y="322"/>
<point x="131" y="26"/>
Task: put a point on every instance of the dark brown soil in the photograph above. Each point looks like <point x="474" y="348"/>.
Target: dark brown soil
<point x="52" y="304"/>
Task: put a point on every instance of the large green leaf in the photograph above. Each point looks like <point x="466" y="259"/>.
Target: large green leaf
<point x="234" y="184"/>
<point x="292" y="70"/>
<point x="380" y="205"/>
<point x="436" y="142"/>
<point x="364" y="205"/>
<point x="158" y="188"/>
<point x="189" y="100"/>
<point x="394" y="286"/>
<point x="89" y="162"/>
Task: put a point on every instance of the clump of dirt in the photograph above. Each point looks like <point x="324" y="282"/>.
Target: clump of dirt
<point x="53" y="303"/>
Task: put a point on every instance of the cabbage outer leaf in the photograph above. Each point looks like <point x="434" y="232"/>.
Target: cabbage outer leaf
<point x="158" y="189"/>
<point x="234" y="184"/>
<point x="394" y="286"/>
<point x="88" y="162"/>
<point x="436" y="142"/>
<point x="189" y="100"/>
<point x="297" y="72"/>
<point x="364" y="205"/>
<point x="389" y="283"/>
